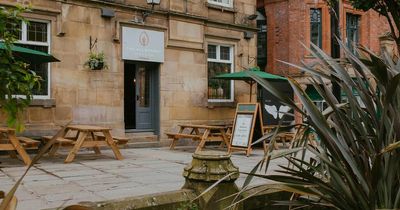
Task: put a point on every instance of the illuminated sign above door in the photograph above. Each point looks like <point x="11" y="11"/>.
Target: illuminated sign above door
<point x="142" y="45"/>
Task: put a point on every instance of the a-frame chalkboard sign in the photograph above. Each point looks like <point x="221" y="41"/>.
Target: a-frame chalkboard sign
<point x="246" y="127"/>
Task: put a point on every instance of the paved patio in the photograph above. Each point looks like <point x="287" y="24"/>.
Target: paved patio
<point x="51" y="183"/>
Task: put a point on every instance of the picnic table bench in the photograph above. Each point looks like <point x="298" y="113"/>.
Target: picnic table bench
<point x="9" y="142"/>
<point x="69" y="141"/>
<point x="29" y="143"/>
<point x="202" y="133"/>
<point x="87" y="136"/>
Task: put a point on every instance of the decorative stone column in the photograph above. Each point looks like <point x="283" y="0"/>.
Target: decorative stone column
<point x="387" y="43"/>
<point x="206" y="168"/>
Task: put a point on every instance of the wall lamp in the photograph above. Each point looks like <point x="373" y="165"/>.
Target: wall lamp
<point x="252" y="17"/>
<point x="147" y="13"/>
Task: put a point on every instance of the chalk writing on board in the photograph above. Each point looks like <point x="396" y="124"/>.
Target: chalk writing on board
<point x="241" y="135"/>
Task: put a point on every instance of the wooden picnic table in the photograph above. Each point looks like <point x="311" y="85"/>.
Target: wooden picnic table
<point x="12" y="144"/>
<point x="284" y="137"/>
<point x="86" y="137"/>
<point x="203" y="133"/>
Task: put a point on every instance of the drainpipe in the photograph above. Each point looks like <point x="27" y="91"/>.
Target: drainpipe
<point x="335" y="47"/>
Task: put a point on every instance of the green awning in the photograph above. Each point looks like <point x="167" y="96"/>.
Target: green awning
<point x="30" y="56"/>
<point x="313" y="93"/>
<point x="242" y="75"/>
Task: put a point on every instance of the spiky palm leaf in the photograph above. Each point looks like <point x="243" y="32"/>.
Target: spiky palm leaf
<point x="357" y="163"/>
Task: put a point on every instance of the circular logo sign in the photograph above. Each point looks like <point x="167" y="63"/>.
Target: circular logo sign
<point x="144" y="39"/>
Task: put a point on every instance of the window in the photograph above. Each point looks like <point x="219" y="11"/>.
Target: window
<point x="220" y="61"/>
<point x="261" y="40"/>
<point x="316" y="98"/>
<point x="36" y="35"/>
<point x="316" y="27"/>
<point x="225" y="3"/>
<point x="352" y="31"/>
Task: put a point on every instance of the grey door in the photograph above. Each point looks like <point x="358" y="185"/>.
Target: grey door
<point x="144" y="97"/>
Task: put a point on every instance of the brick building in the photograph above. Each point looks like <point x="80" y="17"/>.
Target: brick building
<point x="292" y="22"/>
<point x="161" y="61"/>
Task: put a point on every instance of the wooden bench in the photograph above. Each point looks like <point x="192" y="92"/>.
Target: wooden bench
<point x="182" y="135"/>
<point x="119" y="140"/>
<point x="203" y="133"/>
<point x="28" y="143"/>
<point x="61" y="141"/>
<point x="12" y="205"/>
<point x="70" y="142"/>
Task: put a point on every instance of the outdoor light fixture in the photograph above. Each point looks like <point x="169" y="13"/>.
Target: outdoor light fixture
<point x="245" y="19"/>
<point x="252" y="17"/>
<point x="147" y="13"/>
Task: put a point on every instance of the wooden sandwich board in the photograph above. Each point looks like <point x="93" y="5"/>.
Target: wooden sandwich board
<point x="246" y="127"/>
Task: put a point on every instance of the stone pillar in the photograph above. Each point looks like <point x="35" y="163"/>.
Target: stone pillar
<point x="206" y="168"/>
<point x="387" y="43"/>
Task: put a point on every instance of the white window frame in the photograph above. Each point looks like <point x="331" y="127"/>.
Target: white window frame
<point x="24" y="40"/>
<point x="218" y="60"/>
<point x="230" y="4"/>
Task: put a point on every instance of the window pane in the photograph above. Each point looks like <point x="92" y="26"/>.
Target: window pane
<point x="143" y="81"/>
<point x="37" y="32"/>
<point x="262" y="43"/>
<point x="352" y="31"/>
<point x="218" y="89"/>
<point x="226" y="2"/>
<point x="212" y="51"/>
<point x="316" y="27"/>
<point x="40" y="69"/>
<point x="225" y="53"/>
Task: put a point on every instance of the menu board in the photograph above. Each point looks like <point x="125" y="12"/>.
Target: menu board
<point x="243" y="127"/>
<point x="247" y="126"/>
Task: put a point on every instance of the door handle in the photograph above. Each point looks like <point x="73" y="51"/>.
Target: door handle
<point x="137" y="98"/>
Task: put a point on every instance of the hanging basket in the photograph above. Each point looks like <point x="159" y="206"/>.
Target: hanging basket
<point x="96" y="61"/>
<point x="96" y="65"/>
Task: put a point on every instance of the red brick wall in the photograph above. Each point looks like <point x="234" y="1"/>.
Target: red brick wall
<point x="277" y="35"/>
<point x="288" y="26"/>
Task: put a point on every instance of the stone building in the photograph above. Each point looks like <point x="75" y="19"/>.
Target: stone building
<point x="160" y="60"/>
<point x="289" y="23"/>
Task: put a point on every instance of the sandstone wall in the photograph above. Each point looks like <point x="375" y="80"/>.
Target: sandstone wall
<point x="85" y="96"/>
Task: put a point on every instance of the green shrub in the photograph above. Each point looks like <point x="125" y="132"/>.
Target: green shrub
<point x="15" y="77"/>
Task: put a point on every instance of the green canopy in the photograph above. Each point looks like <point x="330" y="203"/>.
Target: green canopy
<point x="313" y="93"/>
<point x="30" y="56"/>
<point x="244" y="76"/>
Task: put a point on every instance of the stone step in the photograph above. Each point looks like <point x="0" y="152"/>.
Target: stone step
<point x="141" y="138"/>
<point x="142" y="144"/>
<point x="139" y="133"/>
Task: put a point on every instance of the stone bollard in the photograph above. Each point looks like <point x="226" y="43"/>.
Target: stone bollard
<point x="206" y="168"/>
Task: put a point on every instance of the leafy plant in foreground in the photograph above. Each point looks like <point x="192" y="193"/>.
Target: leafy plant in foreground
<point x="356" y="164"/>
<point x="15" y="78"/>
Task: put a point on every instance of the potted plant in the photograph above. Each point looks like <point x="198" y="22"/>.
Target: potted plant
<point x="96" y="61"/>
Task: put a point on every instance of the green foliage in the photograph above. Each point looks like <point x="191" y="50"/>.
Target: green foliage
<point x="15" y="78"/>
<point x="96" y="61"/>
<point x="355" y="164"/>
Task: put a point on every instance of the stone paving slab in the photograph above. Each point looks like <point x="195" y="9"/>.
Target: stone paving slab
<point x="51" y="183"/>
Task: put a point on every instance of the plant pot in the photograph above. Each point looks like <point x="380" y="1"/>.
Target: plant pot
<point x="97" y="65"/>
<point x="220" y="92"/>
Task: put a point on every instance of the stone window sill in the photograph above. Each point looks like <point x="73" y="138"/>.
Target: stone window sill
<point x="45" y="103"/>
<point x="212" y="105"/>
<point x="219" y="7"/>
